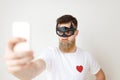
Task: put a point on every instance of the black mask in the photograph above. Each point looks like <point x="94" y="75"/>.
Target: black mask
<point x="65" y="31"/>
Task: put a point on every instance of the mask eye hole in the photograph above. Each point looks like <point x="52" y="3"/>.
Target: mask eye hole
<point x="59" y="32"/>
<point x="69" y="32"/>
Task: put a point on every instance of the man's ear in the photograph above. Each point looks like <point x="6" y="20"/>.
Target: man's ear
<point x="76" y="32"/>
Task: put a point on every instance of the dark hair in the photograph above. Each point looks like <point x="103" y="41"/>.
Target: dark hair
<point x="67" y="19"/>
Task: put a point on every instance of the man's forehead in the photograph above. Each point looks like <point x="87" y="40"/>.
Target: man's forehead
<point x="64" y="25"/>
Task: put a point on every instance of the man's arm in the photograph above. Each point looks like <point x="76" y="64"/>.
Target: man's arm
<point x="21" y="63"/>
<point x="31" y="71"/>
<point x="100" y="75"/>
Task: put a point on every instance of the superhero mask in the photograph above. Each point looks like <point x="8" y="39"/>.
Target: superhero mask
<point x="65" y="31"/>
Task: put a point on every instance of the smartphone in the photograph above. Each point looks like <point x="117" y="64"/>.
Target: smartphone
<point x="22" y="30"/>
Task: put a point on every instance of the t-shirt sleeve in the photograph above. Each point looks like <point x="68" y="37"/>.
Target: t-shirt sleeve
<point x="47" y="56"/>
<point x="93" y="64"/>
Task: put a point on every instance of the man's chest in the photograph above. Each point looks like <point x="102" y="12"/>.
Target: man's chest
<point x="74" y="67"/>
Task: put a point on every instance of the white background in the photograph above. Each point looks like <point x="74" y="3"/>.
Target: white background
<point x="99" y="25"/>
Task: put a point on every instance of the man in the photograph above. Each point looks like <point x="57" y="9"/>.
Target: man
<point x="65" y="62"/>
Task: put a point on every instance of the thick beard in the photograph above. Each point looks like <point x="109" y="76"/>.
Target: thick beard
<point x="66" y="46"/>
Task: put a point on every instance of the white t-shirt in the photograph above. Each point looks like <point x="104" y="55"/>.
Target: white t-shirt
<point x="68" y="66"/>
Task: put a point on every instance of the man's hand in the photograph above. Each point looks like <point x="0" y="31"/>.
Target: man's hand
<point x="20" y="64"/>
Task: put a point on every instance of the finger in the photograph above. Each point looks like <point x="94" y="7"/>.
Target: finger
<point x="13" y="63"/>
<point x="8" y="56"/>
<point x="24" y="54"/>
<point x="19" y="62"/>
<point x="13" y="69"/>
<point x="18" y="55"/>
<point x="12" y="42"/>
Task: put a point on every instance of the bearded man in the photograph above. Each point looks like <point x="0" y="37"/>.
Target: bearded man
<point x="64" y="62"/>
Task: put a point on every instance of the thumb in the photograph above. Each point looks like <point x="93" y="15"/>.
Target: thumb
<point x="12" y="42"/>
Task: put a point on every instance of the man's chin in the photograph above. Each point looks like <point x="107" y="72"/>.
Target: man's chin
<point x="64" y="46"/>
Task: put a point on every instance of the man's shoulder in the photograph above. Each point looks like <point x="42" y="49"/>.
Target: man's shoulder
<point x="83" y="51"/>
<point x="52" y="48"/>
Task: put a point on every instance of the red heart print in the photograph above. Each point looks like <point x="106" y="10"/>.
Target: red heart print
<point x="79" y="68"/>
